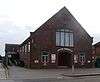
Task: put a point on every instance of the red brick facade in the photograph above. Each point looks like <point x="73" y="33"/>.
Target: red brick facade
<point x="40" y="49"/>
<point x="97" y="49"/>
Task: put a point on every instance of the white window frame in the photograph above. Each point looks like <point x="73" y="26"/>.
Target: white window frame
<point x="28" y="46"/>
<point x="25" y="47"/>
<point x="62" y="40"/>
<point x="46" y="57"/>
<point x="82" y="58"/>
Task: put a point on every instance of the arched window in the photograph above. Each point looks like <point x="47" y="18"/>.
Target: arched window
<point x="64" y="37"/>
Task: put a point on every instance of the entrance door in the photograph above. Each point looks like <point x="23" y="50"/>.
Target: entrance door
<point x="64" y="59"/>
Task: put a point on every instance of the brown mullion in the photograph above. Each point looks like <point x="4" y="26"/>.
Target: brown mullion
<point x="69" y="38"/>
<point x="59" y="38"/>
<point x="64" y="37"/>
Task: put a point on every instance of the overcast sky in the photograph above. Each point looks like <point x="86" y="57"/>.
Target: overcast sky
<point x="19" y="17"/>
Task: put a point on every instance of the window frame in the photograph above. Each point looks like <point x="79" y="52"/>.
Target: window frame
<point x="67" y="32"/>
<point x="46" y="57"/>
<point x="29" y="46"/>
<point x="25" y="48"/>
<point x="82" y="58"/>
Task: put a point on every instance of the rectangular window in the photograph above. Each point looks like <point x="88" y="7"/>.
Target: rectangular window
<point x="64" y="38"/>
<point x="44" y="57"/>
<point x="82" y="58"/>
<point x="28" y="46"/>
<point x="71" y="39"/>
<point x="25" y="47"/>
<point x="57" y="38"/>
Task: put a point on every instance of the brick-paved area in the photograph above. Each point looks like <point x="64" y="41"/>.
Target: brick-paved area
<point x="3" y="72"/>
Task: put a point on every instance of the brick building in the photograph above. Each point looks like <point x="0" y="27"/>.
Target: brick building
<point x="96" y="54"/>
<point x="60" y="41"/>
<point x="97" y="49"/>
<point x="11" y="53"/>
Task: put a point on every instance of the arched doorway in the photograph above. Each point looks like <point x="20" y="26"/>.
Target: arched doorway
<point x="65" y="57"/>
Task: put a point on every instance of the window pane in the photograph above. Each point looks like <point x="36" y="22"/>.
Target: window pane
<point x="26" y="48"/>
<point x="66" y="30"/>
<point x="44" y="56"/>
<point x="82" y="58"/>
<point x="71" y="39"/>
<point x="66" y="39"/>
<point x="23" y="49"/>
<point x="45" y="53"/>
<point x="62" y="29"/>
<point x="57" y="38"/>
<point x="62" y="38"/>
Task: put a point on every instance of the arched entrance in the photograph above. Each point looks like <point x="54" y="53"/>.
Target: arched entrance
<point x="65" y="57"/>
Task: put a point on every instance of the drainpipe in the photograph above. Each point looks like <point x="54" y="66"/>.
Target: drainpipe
<point x="73" y="68"/>
<point x="5" y="59"/>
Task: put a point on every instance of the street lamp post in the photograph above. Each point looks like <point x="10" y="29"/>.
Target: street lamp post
<point x="73" y="68"/>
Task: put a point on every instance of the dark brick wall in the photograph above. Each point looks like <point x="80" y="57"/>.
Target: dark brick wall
<point x="44" y="39"/>
<point x="97" y="50"/>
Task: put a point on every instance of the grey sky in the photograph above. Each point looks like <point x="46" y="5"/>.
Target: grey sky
<point x="19" y="17"/>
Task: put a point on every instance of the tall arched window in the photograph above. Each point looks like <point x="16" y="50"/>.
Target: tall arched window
<point x="64" y="37"/>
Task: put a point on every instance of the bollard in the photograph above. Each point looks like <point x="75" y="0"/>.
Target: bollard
<point x="73" y="69"/>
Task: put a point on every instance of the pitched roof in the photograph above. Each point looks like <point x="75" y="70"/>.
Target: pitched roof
<point x="61" y="12"/>
<point x="25" y="41"/>
<point x="97" y="44"/>
<point x="64" y="10"/>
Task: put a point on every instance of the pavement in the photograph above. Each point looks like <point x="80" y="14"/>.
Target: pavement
<point x="81" y="75"/>
<point x="23" y="73"/>
<point x="19" y="74"/>
<point x="82" y="79"/>
<point x="84" y="72"/>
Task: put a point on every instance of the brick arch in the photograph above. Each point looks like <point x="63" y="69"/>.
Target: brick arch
<point x="64" y="56"/>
